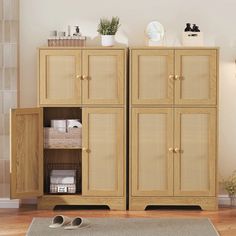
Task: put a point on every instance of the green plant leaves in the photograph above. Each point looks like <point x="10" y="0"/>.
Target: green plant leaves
<point x="108" y="27"/>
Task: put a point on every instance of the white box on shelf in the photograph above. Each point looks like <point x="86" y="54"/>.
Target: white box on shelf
<point x="192" y="39"/>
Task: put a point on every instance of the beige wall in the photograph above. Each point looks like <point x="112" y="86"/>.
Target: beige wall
<point x="216" y="18"/>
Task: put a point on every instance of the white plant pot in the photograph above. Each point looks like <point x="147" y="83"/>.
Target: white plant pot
<point x="107" y="40"/>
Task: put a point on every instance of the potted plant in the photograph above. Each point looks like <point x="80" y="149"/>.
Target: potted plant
<point x="229" y="185"/>
<point x="107" y="29"/>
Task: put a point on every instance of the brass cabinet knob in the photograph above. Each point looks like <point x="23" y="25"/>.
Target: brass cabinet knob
<point x="171" y="149"/>
<point x="86" y="150"/>
<point x="178" y="77"/>
<point x="171" y="76"/>
<point x="84" y="77"/>
<point x="177" y="150"/>
<point x="78" y="76"/>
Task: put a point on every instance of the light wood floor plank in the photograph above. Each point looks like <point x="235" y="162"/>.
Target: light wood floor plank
<point x="15" y="222"/>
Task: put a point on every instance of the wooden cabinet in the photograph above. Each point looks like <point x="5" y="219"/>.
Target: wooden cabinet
<point x="85" y="84"/>
<point x="102" y="171"/>
<point x="81" y="76"/>
<point x="174" y="76"/>
<point x="173" y="127"/>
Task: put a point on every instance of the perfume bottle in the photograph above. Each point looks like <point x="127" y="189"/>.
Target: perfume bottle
<point x="188" y="27"/>
<point x="77" y="31"/>
<point x="195" y="28"/>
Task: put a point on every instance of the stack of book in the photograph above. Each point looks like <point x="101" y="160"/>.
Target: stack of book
<point x="63" y="181"/>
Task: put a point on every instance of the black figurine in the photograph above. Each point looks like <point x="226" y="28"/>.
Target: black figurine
<point x="188" y="27"/>
<point x="195" y="28"/>
<point x="77" y="31"/>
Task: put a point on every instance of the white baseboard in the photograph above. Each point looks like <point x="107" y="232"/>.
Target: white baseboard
<point x="8" y="203"/>
<point x="223" y="199"/>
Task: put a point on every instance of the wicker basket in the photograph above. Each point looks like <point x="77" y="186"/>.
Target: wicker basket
<point x="57" y="139"/>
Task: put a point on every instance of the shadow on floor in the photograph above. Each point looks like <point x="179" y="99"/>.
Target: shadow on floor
<point x="76" y="207"/>
<point x="188" y="208"/>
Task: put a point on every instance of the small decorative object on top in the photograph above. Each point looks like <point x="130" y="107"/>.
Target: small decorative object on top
<point x="192" y="36"/>
<point x="155" y="34"/>
<point x="107" y="29"/>
<point x="59" y="39"/>
<point x="229" y="185"/>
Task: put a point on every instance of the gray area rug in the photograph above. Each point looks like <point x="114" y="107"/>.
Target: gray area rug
<point x="129" y="227"/>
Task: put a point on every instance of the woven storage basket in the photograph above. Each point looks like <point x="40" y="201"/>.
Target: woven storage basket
<point x="57" y="139"/>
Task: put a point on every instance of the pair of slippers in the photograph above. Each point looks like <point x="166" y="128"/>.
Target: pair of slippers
<point x="68" y="223"/>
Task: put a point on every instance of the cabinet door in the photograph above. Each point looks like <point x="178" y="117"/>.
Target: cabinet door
<point x="60" y="77"/>
<point x="104" y="75"/>
<point x="152" y="157"/>
<point x="195" y="158"/>
<point x="103" y="152"/>
<point x="26" y="152"/>
<point x="196" y="72"/>
<point x="152" y="76"/>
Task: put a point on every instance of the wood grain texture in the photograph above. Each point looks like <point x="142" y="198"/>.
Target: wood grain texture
<point x="195" y="164"/>
<point x="26" y="152"/>
<point x="104" y="76"/>
<point x="15" y="222"/>
<point x="104" y="153"/>
<point x="64" y="74"/>
<point x="152" y="162"/>
<point x="150" y="71"/>
<point x="197" y="84"/>
<point x="59" y="77"/>
<point x="140" y="203"/>
<point x="50" y="201"/>
<point x="200" y="66"/>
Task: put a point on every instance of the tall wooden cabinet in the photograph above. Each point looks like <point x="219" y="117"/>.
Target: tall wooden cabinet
<point x="77" y="83"/>
<point x="173" y="127"/>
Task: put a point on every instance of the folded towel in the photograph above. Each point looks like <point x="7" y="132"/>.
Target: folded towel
<point x="64" y="173"/>
<point x="62" y="179"/>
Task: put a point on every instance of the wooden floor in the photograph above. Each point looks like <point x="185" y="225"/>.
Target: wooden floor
<point x="16" y="221"/>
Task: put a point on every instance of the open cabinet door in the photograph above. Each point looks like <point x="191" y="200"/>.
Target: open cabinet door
<point x="26" y="152"/>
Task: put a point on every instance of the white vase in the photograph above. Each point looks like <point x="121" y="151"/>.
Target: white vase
<point x="107" y="40"/>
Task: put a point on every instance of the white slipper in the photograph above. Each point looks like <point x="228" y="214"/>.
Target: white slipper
<point x="78" y="222"/>
<point x="59" y="221"/>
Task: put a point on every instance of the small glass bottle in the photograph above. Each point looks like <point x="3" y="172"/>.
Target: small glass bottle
<point x="188" y="27"/>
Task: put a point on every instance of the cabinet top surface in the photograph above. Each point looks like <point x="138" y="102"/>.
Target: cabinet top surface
<point x="173" y="47"/>
<point x="83" y="48"/>
<point x="131" y="48"/>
